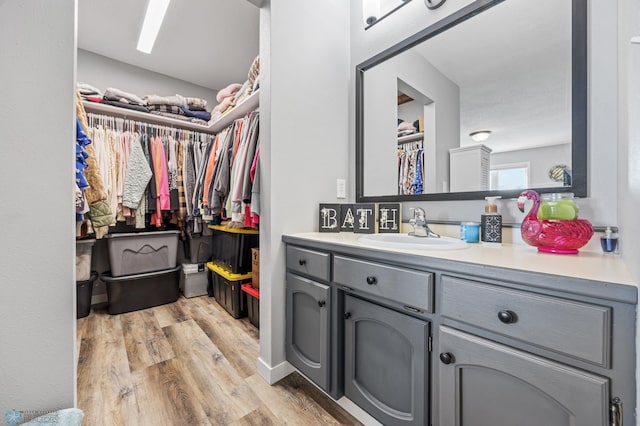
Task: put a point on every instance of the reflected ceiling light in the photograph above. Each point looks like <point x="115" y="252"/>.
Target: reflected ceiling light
<point x="480" y="135"/>
<point x="370" y="11"/>
<point x="156" y="9"/>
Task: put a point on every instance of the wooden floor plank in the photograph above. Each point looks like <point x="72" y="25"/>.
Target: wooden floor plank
<point x="261" y="416"/>
<point x="171" y="313"/>
<point x="295" y="384"/>
<point x="223" y="394"/>
<point x="165" y="396"/>
<point x="144" y="339"/>
<point x="105" y="392"/>
<point x="240" y="349"/>
<point x="188" y="363"/>
<point x="292" y="408"/>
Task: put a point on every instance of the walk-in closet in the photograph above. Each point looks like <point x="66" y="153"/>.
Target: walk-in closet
<point x="168" y="220"/>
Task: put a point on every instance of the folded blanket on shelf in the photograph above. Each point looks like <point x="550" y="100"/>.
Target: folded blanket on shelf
<point x="173" y="109"/>
<point x="243" y="93"/>
<point x="92" y="98"/>
<point x="114" y="94"/>
<point x="196" y="104"/>
<point x="175" y="100"/>
<point x="226" y="103"/>
<point x="230" y="90"/>
<point x="203" y="115"/>
<point x="180" y="117"/>
<point x="125" y="105"/>
<point x="87" y="89"/>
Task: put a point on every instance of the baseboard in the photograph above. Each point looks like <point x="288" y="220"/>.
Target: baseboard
<point x="273" y="374"/>
<point x="357" y="412"/>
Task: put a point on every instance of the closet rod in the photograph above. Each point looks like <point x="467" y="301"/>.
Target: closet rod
<point x="121" y="124"/>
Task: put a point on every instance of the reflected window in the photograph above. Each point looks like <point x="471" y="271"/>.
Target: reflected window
<point x="510" y="176"/>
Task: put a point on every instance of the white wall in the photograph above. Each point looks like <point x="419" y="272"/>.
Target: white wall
<point x="629" y="153"/>
<point x="381" y="86"/>
<point x="540" y="159"/>
<point x="304" y="134"/>
<point x="37" y="266"/>
<point x="103" y="72"/>
<point x="601" y="207"/>
<point x="629" y="125"/>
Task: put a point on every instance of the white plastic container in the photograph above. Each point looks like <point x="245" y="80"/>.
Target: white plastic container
<point x="83" y="259"/>
<point x="136" y="253"/>
<point x="193" y="279"/>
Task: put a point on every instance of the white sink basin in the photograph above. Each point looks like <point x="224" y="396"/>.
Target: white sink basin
<point x="405" y="241"/>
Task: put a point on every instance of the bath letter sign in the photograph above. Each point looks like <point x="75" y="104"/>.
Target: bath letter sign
<point x="328" y="220"/>
<point x="347" y="218"/>
<point x="364" y="215"/>
<point x="389" y="218"/>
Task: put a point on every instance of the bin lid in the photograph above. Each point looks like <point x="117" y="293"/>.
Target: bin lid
<point x="227" y="275"/>
<point x="193" y="268"/>
<point x="249" y="289"/>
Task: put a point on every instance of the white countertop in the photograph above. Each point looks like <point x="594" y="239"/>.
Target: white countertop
<point x="591" y="265"/>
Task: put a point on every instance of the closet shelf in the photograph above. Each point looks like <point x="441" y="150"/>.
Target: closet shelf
<point x="411" y="138"/>
<point x="147" y="117"/>
<point x="249" y="104"/>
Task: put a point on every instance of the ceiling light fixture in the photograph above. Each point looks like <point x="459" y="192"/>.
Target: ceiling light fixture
<point x="480" y="135"/>
<point x="156" y="9"/>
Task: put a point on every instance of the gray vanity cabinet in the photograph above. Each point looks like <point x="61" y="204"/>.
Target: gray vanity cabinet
<point x="308" y="324"/>
<point x="386" y="357"/>
<point x="419" y="340"/>
<point x="486" y="383"/>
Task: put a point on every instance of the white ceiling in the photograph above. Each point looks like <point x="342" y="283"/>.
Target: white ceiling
<point x="515" y="79"/>
<point x="211" y="43"/>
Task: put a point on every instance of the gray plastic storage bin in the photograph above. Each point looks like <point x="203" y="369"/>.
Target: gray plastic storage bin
<point x="135" y="253"/>
<point x="199" y="248"/>
<point x="193" y="279"/>
<point x="83" y="259"/>
<point x="141" y="291"/>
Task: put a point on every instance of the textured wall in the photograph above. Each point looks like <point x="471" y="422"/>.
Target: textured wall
<point x="37" y="259"/>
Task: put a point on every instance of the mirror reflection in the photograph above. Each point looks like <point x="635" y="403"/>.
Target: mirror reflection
<point x="484" y="106"/>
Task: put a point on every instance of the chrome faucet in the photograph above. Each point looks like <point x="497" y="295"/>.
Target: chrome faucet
<point x="420" y="225"/>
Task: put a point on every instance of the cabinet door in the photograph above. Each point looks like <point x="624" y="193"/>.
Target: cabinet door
<point x="386" y="355"/>
<point x="307" y="345"/>
<point x="483" y="383"/>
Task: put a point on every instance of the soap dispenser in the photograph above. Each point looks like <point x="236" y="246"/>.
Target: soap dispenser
<point x="491" y="223"/>
<point x="609" y="241"/>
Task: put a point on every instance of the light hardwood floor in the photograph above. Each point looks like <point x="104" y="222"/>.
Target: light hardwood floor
<point x="186" y="363"/>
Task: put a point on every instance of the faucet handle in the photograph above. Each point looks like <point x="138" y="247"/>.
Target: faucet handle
<point x="418" y="213"/>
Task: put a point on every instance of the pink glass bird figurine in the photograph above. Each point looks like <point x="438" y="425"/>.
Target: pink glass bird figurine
<point x="552" y="236"/>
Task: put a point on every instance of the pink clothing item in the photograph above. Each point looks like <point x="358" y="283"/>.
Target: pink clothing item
<point x="228" y="91"/>
<point x="252" y="173"/>
<point x="160" y="169"/>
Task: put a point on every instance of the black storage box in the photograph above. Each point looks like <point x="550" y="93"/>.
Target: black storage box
<point x="253" y="304"/>
<point x="231" y="247"/>
<point x="227" y="290"/>
<point x="198" y="248"/>
<point x="84" y="291"/>
<point x="142" y="291"/>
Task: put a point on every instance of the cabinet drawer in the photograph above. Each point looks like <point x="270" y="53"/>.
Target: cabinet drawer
<point x="411" y="288"/>
<point x="314" y="264"/>
<point x="576" y="329"/>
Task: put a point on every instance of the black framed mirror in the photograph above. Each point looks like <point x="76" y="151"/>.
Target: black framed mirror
<point x="517" y="68"/>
